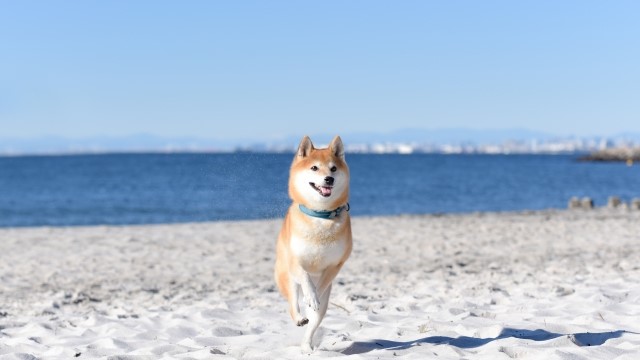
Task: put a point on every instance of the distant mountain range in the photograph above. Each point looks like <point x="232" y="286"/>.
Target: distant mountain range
<point x="449" y="140"/>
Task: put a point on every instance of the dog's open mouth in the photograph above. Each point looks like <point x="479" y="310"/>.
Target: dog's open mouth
<point x="322" y="190"/>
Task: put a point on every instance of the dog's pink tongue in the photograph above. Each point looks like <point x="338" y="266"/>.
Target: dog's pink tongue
<point x="326" y="191"/>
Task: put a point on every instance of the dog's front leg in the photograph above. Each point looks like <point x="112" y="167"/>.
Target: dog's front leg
<point x="309" y="291"/>
<point x="327" y="277"/>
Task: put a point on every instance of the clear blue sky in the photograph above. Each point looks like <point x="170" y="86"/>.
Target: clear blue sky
<point x="264" y="69"/>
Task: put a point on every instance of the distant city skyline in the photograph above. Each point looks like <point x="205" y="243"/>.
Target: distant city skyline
<point x="405" y="141"/>
<point x="269" y="70"/>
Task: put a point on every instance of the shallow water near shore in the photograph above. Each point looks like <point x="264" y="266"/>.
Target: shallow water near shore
<point x="173" y="188"/>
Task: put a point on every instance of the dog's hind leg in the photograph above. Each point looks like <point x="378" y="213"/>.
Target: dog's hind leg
<point x="315" y="317"/>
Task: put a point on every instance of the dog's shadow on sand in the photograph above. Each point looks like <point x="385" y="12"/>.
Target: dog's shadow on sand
<point x="466" y="342"/>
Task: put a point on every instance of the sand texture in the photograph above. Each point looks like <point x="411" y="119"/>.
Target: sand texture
<point x="534" y="285"/>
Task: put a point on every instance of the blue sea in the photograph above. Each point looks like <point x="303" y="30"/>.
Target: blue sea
<point x="172" y="188"/>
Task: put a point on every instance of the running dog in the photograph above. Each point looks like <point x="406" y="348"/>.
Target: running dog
<point x="315" y="239"/>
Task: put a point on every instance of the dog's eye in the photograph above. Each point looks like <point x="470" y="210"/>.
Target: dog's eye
<point x="334" y="169"/>
<point x="314" y="168"/>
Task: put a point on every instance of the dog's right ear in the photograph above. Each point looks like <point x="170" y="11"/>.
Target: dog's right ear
<point x="305" y="147"/>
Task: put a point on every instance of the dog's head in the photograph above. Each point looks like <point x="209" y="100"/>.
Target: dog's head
<point x="319" y="178"/>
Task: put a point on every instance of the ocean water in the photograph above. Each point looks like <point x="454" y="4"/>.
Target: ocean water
<point x="169" y="188"/>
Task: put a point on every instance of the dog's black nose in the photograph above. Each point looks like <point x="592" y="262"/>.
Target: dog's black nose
<point x="328" y="180"/>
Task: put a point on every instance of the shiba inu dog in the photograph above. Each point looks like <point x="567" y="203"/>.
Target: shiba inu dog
<point x="315" y="239"/>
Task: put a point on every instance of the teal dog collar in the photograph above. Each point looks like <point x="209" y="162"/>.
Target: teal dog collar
<point x="324" y="214"/>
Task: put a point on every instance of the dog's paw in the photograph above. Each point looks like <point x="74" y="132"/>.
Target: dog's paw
<point x="306" y="348"/>
<point x="302" y="322"/>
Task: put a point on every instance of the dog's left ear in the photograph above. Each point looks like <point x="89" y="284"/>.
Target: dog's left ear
<point x="337" y="148"/>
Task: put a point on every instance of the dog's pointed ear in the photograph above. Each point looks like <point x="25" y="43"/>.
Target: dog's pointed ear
<point x="305" y="147"/>
<point x="337" y="148"/>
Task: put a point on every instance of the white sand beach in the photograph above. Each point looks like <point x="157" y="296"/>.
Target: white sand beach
<point x="532" y="285"/>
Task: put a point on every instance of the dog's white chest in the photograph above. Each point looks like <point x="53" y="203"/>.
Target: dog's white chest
<point x="320" y="247"/>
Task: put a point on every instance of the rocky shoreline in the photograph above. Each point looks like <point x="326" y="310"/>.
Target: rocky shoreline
<point x="613" y="202"/>
<point x="628" y="155"/>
